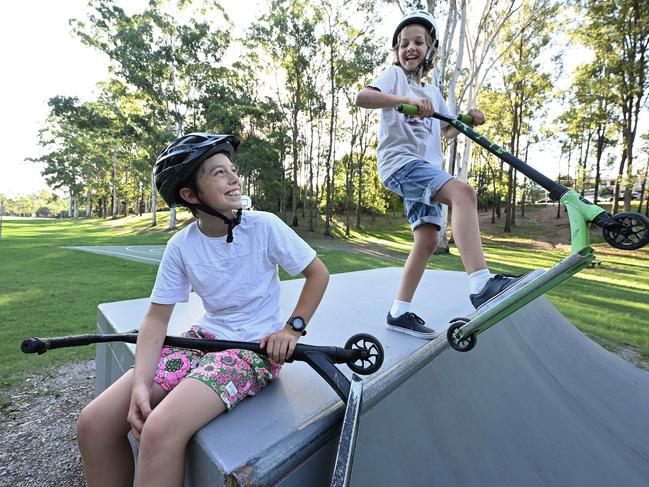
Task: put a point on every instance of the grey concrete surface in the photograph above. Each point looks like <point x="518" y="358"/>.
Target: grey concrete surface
<point x="148" y="254"/>
<point x="536" y="403"/>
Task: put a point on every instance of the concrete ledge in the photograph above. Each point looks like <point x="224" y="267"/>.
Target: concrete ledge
<point x="298" y="429"/>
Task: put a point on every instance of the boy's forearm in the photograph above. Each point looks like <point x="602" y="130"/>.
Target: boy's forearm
<point x="316" y="280"/>
<point x="450" y="132"/>
<point x="149" y="343"/>
<point x="370" y="98"/>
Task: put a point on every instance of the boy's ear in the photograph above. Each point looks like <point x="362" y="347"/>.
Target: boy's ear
<point x="188" y="195"/>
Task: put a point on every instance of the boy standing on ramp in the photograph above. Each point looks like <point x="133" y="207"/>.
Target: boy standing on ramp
<point x="410" y="165"/>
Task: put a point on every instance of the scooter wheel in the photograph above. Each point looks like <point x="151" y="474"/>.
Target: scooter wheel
<point x="464" y="344"/>
<point x="629" y="232"/>
<point x="374" y="355"/>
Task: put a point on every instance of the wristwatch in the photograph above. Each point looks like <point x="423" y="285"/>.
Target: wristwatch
<point x="298" y="324"/>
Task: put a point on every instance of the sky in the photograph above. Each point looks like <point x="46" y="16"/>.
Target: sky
<point x="41" y="59"/>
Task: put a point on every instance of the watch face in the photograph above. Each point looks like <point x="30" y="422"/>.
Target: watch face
<point x="297" y="323"/>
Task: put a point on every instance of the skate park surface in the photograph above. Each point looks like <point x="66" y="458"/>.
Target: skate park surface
<point x="536" y="403"/>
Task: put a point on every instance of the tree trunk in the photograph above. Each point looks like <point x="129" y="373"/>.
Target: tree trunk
<point x="114" y="189"/>
<point x="154" y="202"/>
<point x="598" y="160"/>
<point x="330" y="161"/>
<point x="642" y="186"/>
<point x="618" y="182"/>
<point x="310" y="198"/>
<point x="295" y="137"/>
<point x="172" y="218"/>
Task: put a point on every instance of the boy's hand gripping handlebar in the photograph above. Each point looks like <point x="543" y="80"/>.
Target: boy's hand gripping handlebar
<point x="413" y="110"/>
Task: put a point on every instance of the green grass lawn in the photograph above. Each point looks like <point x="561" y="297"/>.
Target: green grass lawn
<point x="46" y="290"/>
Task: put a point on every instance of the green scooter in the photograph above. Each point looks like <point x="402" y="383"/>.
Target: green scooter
<point x="625" y="231"/>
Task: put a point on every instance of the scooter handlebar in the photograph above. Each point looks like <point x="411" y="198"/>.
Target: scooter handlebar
<point x="413" y="110"/>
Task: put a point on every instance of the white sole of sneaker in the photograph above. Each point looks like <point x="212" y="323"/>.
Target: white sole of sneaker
<point x="418" y="334"/>
<point x="510" y="290"/>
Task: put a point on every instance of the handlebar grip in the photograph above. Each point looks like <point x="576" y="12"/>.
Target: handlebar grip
<point x="34" y="345"/>
<point x="464" y="118"/>
<point x="413" y="110"/>
<point x="408" y="109"/>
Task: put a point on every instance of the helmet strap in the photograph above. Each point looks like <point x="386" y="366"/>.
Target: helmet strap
<point x="230" y="222"/>
<point x="428" y="57"/>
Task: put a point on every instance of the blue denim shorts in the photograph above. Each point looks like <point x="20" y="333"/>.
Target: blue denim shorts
<point x="417" y="183"/>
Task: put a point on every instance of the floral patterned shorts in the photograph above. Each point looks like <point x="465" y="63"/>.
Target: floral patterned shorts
<point x="232" y="374"/>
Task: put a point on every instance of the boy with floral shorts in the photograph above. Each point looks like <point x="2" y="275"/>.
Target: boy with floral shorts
<point x="230" y="259"/>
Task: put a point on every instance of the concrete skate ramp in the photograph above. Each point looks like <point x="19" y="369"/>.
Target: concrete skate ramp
<point x="536" y="403"/>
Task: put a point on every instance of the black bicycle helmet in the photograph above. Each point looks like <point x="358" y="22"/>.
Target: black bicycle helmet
<point x="181" y="158"/>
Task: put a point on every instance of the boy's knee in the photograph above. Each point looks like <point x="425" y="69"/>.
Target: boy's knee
<point x="429" y="245"/>
<point x="95" y="425"/>
<point x="466" y="194"/>
<point x="90" y="425"/>
<point x="159" y="432"/>
<point x="426" y="239"/>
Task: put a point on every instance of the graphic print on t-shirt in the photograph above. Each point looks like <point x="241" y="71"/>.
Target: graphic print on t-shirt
<point x="421" y="127"/>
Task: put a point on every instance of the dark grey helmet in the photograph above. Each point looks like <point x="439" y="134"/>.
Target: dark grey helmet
<point x="183" y="156"/>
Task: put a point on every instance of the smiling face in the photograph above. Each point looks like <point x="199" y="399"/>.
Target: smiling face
<point x="413" y="41"/>
<point x="218" y="183"/>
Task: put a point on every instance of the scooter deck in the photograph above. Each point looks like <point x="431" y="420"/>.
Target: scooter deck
<point x="349" y="431"/>
<point x="463" y="330"/>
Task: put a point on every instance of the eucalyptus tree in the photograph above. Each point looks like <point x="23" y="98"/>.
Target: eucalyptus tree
<point x="71" y="139"/>
<point x="526" y="83"/>
<point x="644" y="194"/>
<point x="356" y="67"/>
<point x="494" y="103"/>
<point x="315" y="112"/>
<point x="169" y="53"/>
<point x="259" y="161"/>
<point x="485" y="23"/>
<point x="287" y="33"/>
<point x="350" y="48"/>
<point x="352" y="163"/>
<point x="618" y="33"/>
<point x="592" y="117"/>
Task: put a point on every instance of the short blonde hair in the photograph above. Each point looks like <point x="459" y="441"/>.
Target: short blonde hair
<point x="395" y="48"/>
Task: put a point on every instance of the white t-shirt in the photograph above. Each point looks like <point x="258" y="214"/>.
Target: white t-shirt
<point x="403" y="138"/>
<point x="238" y="282"/>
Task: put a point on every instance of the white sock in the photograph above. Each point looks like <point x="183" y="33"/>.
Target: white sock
<point x="399" y="308"/>
<point x="478" y="279"/>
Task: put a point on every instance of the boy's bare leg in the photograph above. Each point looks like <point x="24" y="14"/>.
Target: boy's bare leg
<point x="188" y="407"/>
<point x="425" y="243"/>
<point x="101" y="433"/>
<point x="464" y="222"/>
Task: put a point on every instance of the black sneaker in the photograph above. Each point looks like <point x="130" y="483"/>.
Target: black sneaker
<point x="499" y="287"/>
<point x="410" y="324"/>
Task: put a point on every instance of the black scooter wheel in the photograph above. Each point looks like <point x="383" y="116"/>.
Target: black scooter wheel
<point x="629" y="232"/>
<point x="464" y="344"/>
<point x="373" y="358"/>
